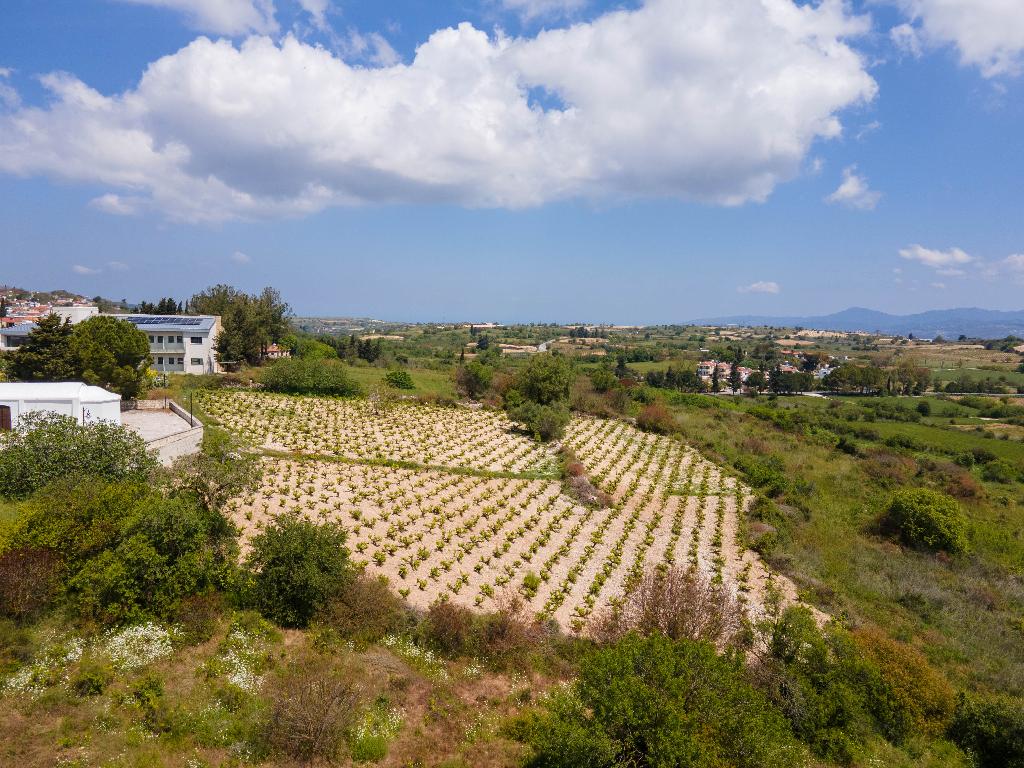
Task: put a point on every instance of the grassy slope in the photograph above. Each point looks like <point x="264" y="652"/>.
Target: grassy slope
<point x="965" y="615"/>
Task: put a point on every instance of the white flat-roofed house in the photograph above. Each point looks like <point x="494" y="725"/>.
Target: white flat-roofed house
<point x="180" y="343"/>
<point x="85" y="404"/>
<point x="76" y="313"/>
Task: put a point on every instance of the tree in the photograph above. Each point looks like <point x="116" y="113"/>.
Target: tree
<point x="250" y="323"/>
<point x="474" y="378"/>
<point x="735" y="379"/>
<point x="483" y="342"/>
<point x="546" y="379"/>
<point x="294" y="568"/>
<point x="112" y="353"/>
<point x="603" y="378"/>
<point x="757" y="381"/>
<point x="47" y="353"/>
<point x="46" y="447"/>
<point x="716" y="382"/>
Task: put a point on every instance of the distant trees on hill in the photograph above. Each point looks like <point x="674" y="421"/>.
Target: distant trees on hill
<point x="165" y="306"/>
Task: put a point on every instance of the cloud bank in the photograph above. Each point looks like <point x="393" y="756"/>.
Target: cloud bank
<point x="690" y="99"/>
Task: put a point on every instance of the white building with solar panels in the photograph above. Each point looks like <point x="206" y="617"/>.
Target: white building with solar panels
<point x="180" y="343"/>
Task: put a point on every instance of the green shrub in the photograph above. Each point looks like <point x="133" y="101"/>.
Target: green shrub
<point x="170" y="551"/>
<point x="999" y="471"/>
<point x="295" y="376"/>
<point x="92" y="678"/>
<point x="927" y="519"/>
<point x="544" y="422"/>
<point x="364" y="609"/>
<point x="990" y="729"/>
<point x="47" y="447"/>
<point x="653" y="701"/>
<point x="294" y="568"/>
<point x="906" y="695"/>
<point x="399" y="379"/>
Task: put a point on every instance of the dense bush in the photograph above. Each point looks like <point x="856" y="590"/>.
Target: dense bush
<point x="999" y="471"/>
<point x="47" y="447"/>
<point x="544" y="422"/>
<point x="907" y="696"/>
<point x="474" y="378"/>
<point x="656" y="418"/>
<point x="124" y="550"/>
<point x="364" y="609"/>
<point x="836" y="687"/>
<point x="399" y="379"/>
<point x="658" y="702"/>
<point x="990" y="729"/>
<point x="927" y="519"/>
<point x="296" y="376"/>
<point x="294" y="568"/>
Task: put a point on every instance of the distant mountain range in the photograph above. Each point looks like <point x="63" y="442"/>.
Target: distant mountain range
<point x="948" y="323"/>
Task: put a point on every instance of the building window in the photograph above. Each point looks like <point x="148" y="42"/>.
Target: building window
<point x="159" y="339"/>
<point x="197" y="361"/>
<point x="181" y="361"/>
<point x="152" y="340"/>
<point x="197" y="339"/>
<point x="159" y="361"/>
<point x="181" y="339"/>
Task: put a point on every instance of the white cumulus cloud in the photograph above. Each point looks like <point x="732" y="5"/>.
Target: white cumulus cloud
<point x="81" y="269"/>
<point x="761" y="286"/>
<point x="854" y="192"/>
<point x="690" y="99"/>
<point x="224" y="17"/>
<point x="988" y="34"/>
<point x="241" y="258"/>
<point x="945" y="261"/>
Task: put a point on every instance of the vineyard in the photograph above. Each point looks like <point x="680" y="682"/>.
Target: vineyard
<point x="496" y="519"/>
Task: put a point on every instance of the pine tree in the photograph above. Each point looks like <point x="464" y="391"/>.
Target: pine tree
<point x="47" y="353"/>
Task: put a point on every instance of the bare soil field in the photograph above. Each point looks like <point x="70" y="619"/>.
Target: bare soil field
<point x="468" y="536"/>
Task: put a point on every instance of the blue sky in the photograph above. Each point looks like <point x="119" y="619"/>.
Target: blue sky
<point x="544" y="160"/>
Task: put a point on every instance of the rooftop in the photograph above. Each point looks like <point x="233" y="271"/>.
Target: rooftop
<point x="61" y="390"/>
<point x="171" y="322"/>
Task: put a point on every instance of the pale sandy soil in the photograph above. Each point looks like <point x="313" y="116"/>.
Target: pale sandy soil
<point x="468" y="538"/>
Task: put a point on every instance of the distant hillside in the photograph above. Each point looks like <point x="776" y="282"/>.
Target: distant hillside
<point x="948" y="323"/>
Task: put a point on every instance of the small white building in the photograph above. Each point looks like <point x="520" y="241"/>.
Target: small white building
<point x="76" y="313"/>
<point x="84" y="403"/>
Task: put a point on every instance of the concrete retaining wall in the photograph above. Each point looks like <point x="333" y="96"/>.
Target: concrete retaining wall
<point x="184" y="443"/>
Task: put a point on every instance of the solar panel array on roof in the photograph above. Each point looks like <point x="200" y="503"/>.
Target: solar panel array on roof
<point x="183" y="321"/>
